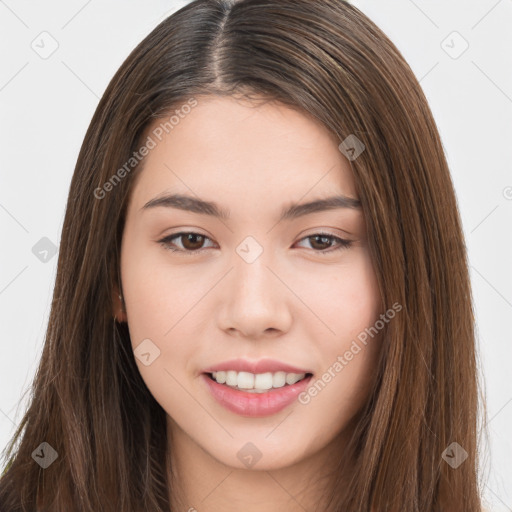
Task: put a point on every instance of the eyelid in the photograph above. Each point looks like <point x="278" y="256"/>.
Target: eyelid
<point x="165" y="241"/>
<point x="343" y="243"/>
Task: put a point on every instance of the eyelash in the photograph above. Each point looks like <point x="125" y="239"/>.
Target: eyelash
<point x="165" y="242"/>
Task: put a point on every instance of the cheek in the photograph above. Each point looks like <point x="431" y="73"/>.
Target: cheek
<point x="145" y="301"/>
<point x="158" y="326"/>
<point x="155" y="292"/>
<point x="157" y="302"/>
<point x="350" y="306"/>
<point x="348" y="300"/>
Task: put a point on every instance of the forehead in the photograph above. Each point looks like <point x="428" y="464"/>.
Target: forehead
<point x="230" y="147"/>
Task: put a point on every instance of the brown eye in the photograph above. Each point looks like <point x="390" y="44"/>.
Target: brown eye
<point x="193" y="241"/>
<point x="190" y="242"/>
<point x="322" y="242"/>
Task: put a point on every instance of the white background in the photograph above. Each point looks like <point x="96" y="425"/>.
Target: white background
<point x="47" y="104"/>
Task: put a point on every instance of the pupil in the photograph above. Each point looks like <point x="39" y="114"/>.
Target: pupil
<point x="321" y="237"/>
<point x="191" y="236"/>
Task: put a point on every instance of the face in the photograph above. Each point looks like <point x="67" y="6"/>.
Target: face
<point x="253" y="298"/>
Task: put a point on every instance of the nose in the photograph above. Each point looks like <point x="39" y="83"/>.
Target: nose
<point x="255" y="301"/>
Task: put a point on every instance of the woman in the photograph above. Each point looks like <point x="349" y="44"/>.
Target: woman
<point x="262" y="298"/>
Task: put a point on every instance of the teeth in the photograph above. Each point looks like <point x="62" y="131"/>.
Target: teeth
<point x="231" y="379"/>
<point x="263" y="381"/>
<point x="279" y="379"/>
<point x="245" y="380"/>
<point x="220" y="377"/>
<point x="292" y="378"/>
<point x="256" y="383"/>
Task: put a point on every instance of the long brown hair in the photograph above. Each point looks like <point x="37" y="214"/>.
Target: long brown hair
<point x="89" y="402"/>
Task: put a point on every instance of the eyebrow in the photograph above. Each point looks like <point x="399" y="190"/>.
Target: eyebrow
<point x="292" y="211"/>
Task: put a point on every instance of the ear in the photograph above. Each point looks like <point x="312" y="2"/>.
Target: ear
<point x="118" y="309"/>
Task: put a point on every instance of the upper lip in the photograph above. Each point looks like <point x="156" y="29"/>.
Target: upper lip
<point x="260" y="366"/>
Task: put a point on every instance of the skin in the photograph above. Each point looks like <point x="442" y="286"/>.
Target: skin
<point x="290" y="304"/>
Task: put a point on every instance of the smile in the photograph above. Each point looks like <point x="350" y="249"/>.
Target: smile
<point x="256" y="383"/>
<point x="250" y="395"/>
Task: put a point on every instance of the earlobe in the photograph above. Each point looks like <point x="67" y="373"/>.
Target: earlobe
<point x="118" y="308"/>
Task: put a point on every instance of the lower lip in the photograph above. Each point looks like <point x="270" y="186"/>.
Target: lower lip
<point x="255" y="405"/>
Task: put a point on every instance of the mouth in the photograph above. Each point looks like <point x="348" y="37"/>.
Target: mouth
<point x="257" y="383"/>
<point x="254" y="395"/>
